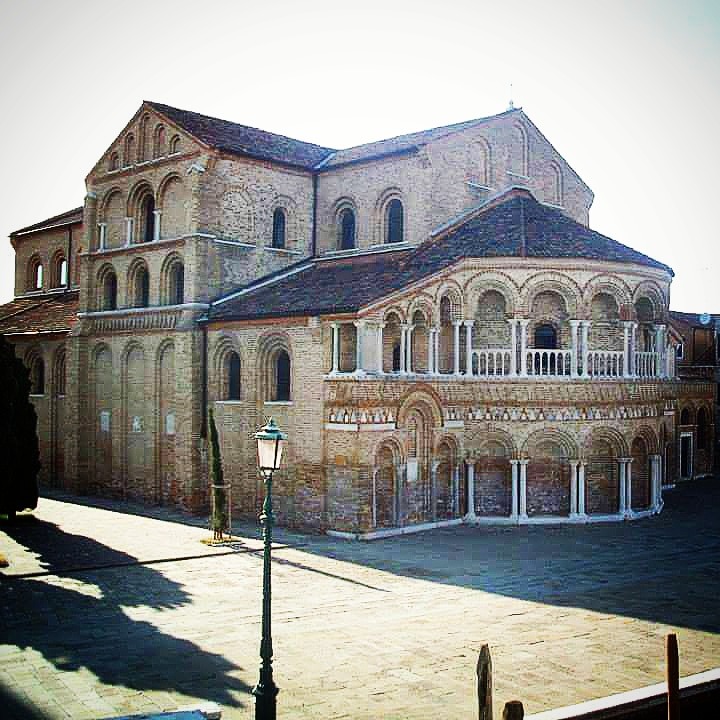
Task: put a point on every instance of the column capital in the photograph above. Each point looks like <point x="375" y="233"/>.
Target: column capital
<point x="524" y="461"/>
<point x="628" y="324"/>
<point x="524" y="321"/>
<point x="457" y="323"/>
<point x="515" y="462"/>
<point x="408" y="327"/>
<point x="625" y="459"/>
<point x="335" y="323"/>
<point x="468" y="323"/>
<point x="359" y="323"/>
<point x="574" y="323"/>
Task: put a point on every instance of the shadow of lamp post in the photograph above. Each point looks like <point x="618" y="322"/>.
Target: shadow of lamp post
<point x="270" y="445"/>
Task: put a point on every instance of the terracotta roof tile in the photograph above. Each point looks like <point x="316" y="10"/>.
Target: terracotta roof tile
<point x="70" y="217"/>
<point x="51" y="312"/>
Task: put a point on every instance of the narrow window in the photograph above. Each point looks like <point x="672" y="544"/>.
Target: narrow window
<point x="177" y="285"/>
<point x="114" y="161"/>
<point x="282" y="376"/>
<point x="142" y="288"/>
<point x="175" y="145"/>
<point x="233" y="376"/>
<point x="394" y="221"/>
<point x="702" y="430"/>
<point x="396" y="358"/>
<point x="37" y="376"/>
<point x="63" y="274"/>
<point x="38" y="277"/>
<point x="347" y="229"/>
<point x="278" y="236"/>
<point x="545" y="337"/>
<point x="110" y="292"/>
<point x="148" y="216"/>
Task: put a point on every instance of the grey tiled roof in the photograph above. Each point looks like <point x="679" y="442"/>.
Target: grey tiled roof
<point x="517" y="226"/>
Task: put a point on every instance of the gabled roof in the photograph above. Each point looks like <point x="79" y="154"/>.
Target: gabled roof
<point x="70" y="217"/>
<point x="244" y="140"/>
<point x="515" y="225"/>
<point x="51" y="312"/>
<point x="693" y="319"/>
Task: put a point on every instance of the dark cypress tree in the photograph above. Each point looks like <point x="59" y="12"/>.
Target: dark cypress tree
<point x="219" y="518"/>
<point x="19" y="447"/>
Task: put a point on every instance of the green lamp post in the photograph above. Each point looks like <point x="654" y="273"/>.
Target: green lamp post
<point x="270" y="445"/>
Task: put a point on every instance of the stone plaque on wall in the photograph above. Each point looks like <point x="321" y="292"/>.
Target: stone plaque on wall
<point x="104" y="421"/>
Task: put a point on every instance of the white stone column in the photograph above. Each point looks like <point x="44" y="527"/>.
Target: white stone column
<point x="374" y="497"/>
<point x="523" y="489"/>
<point x="468" y="346"/>
<point x="626" y="348"/>
<point x="403" y="349"/>
<point x="514" y="489"/>
<point x="335" y="349"/>
<point x="431" y="351"/>
<point x="574" y="356"/>
<point x="585" y="350"/>
<point x="456" y="345"/>
<point x="628" y="486"/>
<point x="623" y="482"/>
<point x="379" y="347"/>
<point x="513" y="346"/>
<point x="102" y="235"/>
<point x="433" y="489"/>
<point x="436" y="354"/>
<point x="573" y="486"/>
<point x="523" y="346"/>
<point x="659" y="347"/>
<point x="359" y="337"/>
<point x="656" y="480"/>
<point x="156" y="225"/>
<point x="581" y="488"/>
<point x="128" y="230"/>
<point x="471" y="489"/>
<point x="633" y="350"/>
<point x="408" y="348"/>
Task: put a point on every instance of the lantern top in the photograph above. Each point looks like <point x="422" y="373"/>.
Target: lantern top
<point x="270" y="432"/>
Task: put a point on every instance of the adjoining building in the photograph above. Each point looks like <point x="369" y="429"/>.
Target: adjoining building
<point x="429" y="317"/>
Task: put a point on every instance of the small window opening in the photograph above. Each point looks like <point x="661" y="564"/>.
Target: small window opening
<point x="110" y="292"/>
<point x="282" y="376"/>
<point x="545" y="337"/>
<point x="148" y="215"/>
<point x="396" y="358"/>
<point x="233" y="377"/>
<point x="394" y="221"/>
<point x="278" y="236"/>
<point x="177" y="287"/>
<point x="347" y="229"/>
<point x="142" y="288"/>
<point x="37" y="376"/>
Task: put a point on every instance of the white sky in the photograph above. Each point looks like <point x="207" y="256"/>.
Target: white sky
<point x="628" y="92"/>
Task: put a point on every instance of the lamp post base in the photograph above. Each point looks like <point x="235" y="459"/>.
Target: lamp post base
<point x="265" y="700"/>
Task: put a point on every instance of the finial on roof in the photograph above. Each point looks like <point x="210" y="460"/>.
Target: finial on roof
<point x="511" y="106"/>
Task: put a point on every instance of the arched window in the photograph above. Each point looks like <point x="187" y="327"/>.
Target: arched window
<point x="394" y="222"/>
<point x="685" y="417"/>
<point x="177" y="284"/>
<point x="142" y="287"/>
<point x="37" y="375"/>
<point x="396" y="358"/>
<point x="60" y="374"/>
<point x="63" y="273"/>
<point x="346" y="229"/>
<point x="545" y="337"/>
<point x="147" y="217"/>
<point x="35" y="276"/>
<point x="282" y="376"/>
<point x="175" y="145"/>
<point x="232" y="376"/>
<point x="159" y="141"/>
<point x="109" y="291"/>
<point x="278" y="231"/>
<point x="702" y="430"/>
<point x="129" y="150"/>
<point x="58" y="276"/>
<point x="114" y="161"/>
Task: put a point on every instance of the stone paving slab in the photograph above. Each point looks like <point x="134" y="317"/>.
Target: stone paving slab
<point x="388" y="629"/>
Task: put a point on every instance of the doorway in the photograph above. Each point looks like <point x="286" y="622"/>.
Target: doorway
<point x="686" y="458"/>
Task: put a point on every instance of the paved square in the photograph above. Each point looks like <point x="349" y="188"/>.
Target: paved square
<point x="106" y="613"/>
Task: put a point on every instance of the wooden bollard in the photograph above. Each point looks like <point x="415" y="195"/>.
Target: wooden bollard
<point x="484" y="684"/>
<point x="672" y="668"/>
<point x="513" y="710"/>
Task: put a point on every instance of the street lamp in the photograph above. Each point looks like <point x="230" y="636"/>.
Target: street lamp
<point x="270" y="445"/>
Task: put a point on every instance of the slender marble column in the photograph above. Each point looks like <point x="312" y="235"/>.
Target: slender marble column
<point x="573" y="486"/>
<point x="581" y="488"/>
<point x="408" y="347"/>
<point x="468" y="346"/>
<point x="436" y="355"/>
<point x="659" y="347"/>
<point x="433" y="488"/>
<point x="431" y="351"/>
<point x="456" y="490"/>
<point x="102" y="227"/>
<point x="623" y="483"/>
<point x="456" y="345"/>
<point x="336" y="349"/>
<point x="626" y="348"/>
<point x="523" y="489"/>
<point x="128" y="230"/>
<point x="379" y="347"/>
<point x="523" y="346"/>
<point x="628" y="486"/>
<point x="403" y="349"/>
<point x="156" y="224"/>
<point x="513" y="346"/>
<point x="359" y="335"/>
<point x="471" y="490"/>
<point x="514" y="489"/>
<point x="585" y="349"/>
<point x="633" y="343"/>
<point x="574" y="356"/>
<point x="374" y="497"/>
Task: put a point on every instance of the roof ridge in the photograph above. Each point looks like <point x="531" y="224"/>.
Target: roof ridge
<point x="42" y="223"/>
<point x="26" y="309"/>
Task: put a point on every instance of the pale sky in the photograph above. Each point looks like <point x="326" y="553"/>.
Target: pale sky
<point x="628" y="92"/>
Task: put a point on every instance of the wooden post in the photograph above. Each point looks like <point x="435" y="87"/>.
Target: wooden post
<point x="673" y="677"/>
<point x="484" y="684"/>
<point x="513" y="710"/>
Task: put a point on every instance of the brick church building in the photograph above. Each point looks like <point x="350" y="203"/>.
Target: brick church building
<point x="430" y="318"/>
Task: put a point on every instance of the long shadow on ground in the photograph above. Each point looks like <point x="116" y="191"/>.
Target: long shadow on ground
<point x="87" y="627"/>
<point x="664" y="569"/>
